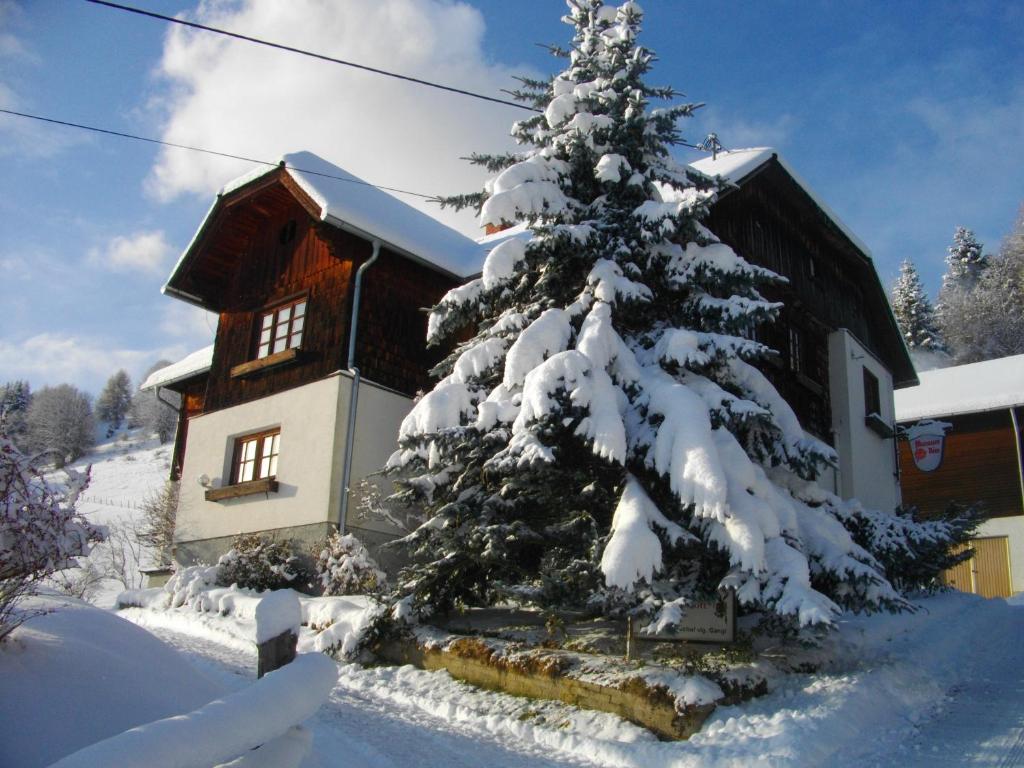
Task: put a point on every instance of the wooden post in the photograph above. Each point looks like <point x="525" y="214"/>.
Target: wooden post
<point x="629" y="638"/>
<point x="276" y="652"/>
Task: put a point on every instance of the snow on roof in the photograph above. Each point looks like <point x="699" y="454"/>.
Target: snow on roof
<point x="985" y="386"/>
<point x="195" y="363"/>
<point x="735" y="165"/>
<point x="350" y="201"/>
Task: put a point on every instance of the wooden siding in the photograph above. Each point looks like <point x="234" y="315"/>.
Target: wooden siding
<point x="391" y="348"/>
<point x="315" y="263"/>
<point x="979" y="464"/>
<point x="193" y="398"/>
<point x="771" y="222"/>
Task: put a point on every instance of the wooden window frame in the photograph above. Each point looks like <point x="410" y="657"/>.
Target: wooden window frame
<point x="872" y="393"/>
<point x="873" y="406"/>
<point x="265" y="348"/>
<point x="795" y="342"/>
<point x="238" y="459"/>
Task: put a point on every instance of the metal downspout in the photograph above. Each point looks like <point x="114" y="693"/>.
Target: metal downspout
<point x="353" y="400"/>
<point x="1016" y="442"/>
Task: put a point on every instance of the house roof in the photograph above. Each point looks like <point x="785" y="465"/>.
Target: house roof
<point x="986" y="386"/>
<point x="743" y="166"/>
<point x="347" y="202"/>
<point x="192" y="365"/>
<point x="735" y="165"/>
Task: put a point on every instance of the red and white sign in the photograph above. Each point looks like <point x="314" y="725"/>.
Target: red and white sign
<point x="927" y="440"/>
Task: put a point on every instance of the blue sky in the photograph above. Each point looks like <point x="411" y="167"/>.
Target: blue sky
<point x="906" y="117"/>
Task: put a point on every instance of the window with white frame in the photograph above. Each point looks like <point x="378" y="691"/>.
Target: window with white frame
<point x="255" y="456"/>
<point x="281" y="328"/>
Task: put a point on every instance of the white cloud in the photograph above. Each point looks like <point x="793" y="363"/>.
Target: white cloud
<point x="48" y="359"/>
<point x="246" y="99"/>
<point x="190" y="324"/>
<point x="738" y="132"/>
<point x="142" y="252"/>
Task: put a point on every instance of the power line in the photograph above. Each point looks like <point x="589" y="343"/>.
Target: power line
<point x="311" y="54"/>
<point x="322" y="57"/>
<point x="162" y="143"/>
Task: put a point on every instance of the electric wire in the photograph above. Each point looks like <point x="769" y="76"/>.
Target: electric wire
<point x="311" y="54"/>
<point x="150" y="140"/>
<point x="343" y="62"/>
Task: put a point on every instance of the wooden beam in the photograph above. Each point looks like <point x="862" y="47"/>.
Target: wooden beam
<point x="270" y="361"/>
<point x="266" y="485"/>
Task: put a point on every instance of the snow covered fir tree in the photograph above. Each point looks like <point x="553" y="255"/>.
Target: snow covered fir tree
<point x="914" y="313"/>
<point x="603" y="439"/>
<point x="965" y="261"/>
<point x="981" y="304"/>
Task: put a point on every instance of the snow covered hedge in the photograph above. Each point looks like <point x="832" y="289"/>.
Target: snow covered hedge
<point x="345" y="567"/>
<point x="261" y="563"/>
<point x="604" y="440"/>
<point x="40" y="531"/>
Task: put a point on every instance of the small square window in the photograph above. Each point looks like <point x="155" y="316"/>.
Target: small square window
<point x="872" y="399"/>
<point x="255" y="456"/>
<point x="796" y="350"/>
<point x="281" y="328"/>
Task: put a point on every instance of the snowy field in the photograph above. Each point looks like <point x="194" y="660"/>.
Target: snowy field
<point x="127" y="469"/>
<point x="940" y="687"/>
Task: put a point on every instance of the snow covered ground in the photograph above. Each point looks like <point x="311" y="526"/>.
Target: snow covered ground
<point x="127" y="469"/>
<point x="940" y="687"/>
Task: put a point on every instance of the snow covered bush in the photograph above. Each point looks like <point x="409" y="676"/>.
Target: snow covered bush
<point x="344" y="567"/>
<point x="40" y="530"/>
<point x="603" y="438"/>
<point x="156" y="532"/>
<point x="915" y="552"/>
<point x="260" y="563"/>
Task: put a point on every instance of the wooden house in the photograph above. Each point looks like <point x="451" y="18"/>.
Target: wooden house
<point x="319" y="281"/>
<point x="961" y="441"/>
<point x="841" y="354"/>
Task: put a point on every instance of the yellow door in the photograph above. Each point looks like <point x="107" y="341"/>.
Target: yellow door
<point x="987" y="573"/>
<point x="961" y="576"/>
<point x="992" y="569"/>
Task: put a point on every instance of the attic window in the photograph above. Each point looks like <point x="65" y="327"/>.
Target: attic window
<point x="287" y="233"/>
<point x="281" y="328"/>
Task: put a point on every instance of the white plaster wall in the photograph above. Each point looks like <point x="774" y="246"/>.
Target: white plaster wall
<point x="1013" y="529"/>
<point x="379" y="414"/>
<point x="306" y="469"/>
<point x="867" y="462"/>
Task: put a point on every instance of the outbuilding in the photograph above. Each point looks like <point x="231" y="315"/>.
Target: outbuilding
<point x="960" y="440"/>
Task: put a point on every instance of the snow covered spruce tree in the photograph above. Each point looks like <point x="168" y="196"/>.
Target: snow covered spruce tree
<point x="914" y="312"/>
<point x="965" y="261"/>
<point x="603" y="440"/>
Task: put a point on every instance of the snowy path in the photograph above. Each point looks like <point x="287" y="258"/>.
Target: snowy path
<point x="940" y="687"/>
<point x="982" y="724"/>
<point x="358" y="728"/>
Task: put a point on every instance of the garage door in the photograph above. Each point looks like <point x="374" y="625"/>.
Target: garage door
<point x="987" y="573"/>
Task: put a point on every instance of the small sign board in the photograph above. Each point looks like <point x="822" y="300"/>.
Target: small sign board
<point x="927" y="442"/>
<point x="711" y="621"/>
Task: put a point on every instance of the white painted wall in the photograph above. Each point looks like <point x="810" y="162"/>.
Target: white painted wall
<point x="867" y="462"/>
<point x="379" y="415"/>
<point x="313" y="420"/>
<point x="1013" y="529"/>
<point x="306" y="471"/>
